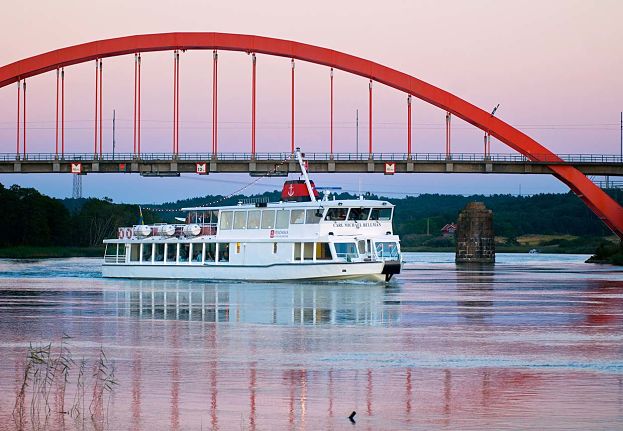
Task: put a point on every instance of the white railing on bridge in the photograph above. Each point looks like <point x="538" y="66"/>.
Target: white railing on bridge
<point x="286" y="156"/>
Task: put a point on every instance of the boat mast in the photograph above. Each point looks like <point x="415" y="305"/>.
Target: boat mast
<point x="299" y="157"/>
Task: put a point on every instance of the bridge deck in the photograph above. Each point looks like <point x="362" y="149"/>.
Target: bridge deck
<point x="282" y="163"/>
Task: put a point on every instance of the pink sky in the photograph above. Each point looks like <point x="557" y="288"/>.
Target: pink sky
<point x="555" y="68"/>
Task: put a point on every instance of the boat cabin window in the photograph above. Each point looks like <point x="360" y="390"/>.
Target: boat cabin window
<point x="313" y="216"/>
<point x="297" y="217"/>
<point x="253" y="219"/>
<point x="381" y="214"/>
<point x="336" y="214"/>
<point x="171" y="252"/>
<point x="147" y="249"/>
<point x="308" y="251"/>
<point x="226" y="220"/>
<point x="196" y="251"/>
<point x="358" y="214"/>
<point x="214" y="217"/>
<point x="361" y="246"/>
<point x="346" y="250"/>
<point x="184" y="252"/>
<point x="268" y="219"/>
<point x="387" y="250"/>
<point x="210" y="252"/>
<point x="283" y="219"/>
<point x="134" y="252"/>
<point x="297" y="251"/>
<point x="223" y="252"/>
<point x="323" y="251"/>
<point x="159" y="254"/>
<point x="240" y="219"/>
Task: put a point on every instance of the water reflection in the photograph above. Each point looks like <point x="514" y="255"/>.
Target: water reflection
<point x="458" y="348"/>
<point x="277" y="304"/>
<point x="474" y="286"/>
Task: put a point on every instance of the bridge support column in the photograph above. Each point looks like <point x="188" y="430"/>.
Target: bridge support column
<point x="409" y="166"/>
<point x="449" y="167"/>
<point x="173" y="166"/>
<point x="134" y="167"/>
<point x="475" y="240"/>
<point x="331" y="166"/>
<point x="488" y="167"/>
<point x="213" y="166"/>
<point x="370" y="166"/>
<point x="95" y="166"/>
<point x="17" y="167"/>
<point x="56" y="167"/>
<point x="252" y="166"/>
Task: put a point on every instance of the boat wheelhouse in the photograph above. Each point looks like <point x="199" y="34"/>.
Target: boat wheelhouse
<point x="299" y="238"/>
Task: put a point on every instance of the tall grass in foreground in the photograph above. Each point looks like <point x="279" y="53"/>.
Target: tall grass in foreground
<point x="50" y="374"/>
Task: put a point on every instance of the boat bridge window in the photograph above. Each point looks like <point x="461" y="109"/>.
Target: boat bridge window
<point x="223" y="252"/>
<point x="336" y="214"/>
<point x="226" y="220"/>
<point x="381" y="214"/>
<point x="313" y="216"/>
<point x="268" y="219"/>
<point x="147" y="250"/>
<point x="283" y="219"/>
<point x="323" y="251"/>
<point x="297" y="217"/>
<point x="210" y="252"/>
<point x="171" y="253"/>
<point x="253" y="219"/>
<point x="240" y="219"/>
<point x="346" y="250"/>
<point x="159" y="254"/>
<point x="358" y="214"/>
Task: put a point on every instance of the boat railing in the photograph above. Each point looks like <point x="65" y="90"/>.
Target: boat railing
<point x="113" y="258"/>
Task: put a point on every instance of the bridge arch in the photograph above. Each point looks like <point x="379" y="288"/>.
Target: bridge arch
<point x="606" y="208"/>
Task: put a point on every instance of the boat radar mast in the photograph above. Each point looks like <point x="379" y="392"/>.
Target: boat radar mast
<point x="299" y="157"/>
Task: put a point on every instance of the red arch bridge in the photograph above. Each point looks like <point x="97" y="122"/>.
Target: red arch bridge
<point x="531" y="157"/>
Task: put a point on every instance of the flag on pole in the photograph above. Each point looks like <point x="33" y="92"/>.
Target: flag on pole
<point x="140" y="215"/>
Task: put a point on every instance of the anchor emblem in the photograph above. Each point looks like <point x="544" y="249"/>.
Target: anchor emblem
<point x="291" y="190"/>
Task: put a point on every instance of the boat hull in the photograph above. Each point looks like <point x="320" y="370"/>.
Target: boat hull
<point x="364" y="271"/>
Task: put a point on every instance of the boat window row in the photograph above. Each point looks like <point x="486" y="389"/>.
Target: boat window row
<point x="283" y="218"/>
<point x="358" y="214"/>
<point x="198" y="253"/>
<point x="179" y="252"/>
<point x="202" y="217"/>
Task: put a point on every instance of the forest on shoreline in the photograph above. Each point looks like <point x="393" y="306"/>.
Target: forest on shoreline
<point x="555" y="222"/>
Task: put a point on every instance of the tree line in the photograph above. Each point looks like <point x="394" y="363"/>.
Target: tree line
<point x="33" y="219"/>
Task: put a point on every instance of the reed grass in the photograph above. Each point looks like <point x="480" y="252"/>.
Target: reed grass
<point x="50" y="374"/>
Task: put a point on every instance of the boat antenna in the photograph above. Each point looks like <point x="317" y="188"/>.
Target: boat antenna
<point x="299" y="157"/>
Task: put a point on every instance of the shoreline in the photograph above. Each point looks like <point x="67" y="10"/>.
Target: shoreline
<point x="35" y="252"/>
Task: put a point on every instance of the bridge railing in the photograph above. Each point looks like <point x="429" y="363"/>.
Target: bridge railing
<point x="286" y="156"/>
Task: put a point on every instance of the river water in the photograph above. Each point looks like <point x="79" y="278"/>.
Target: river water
<point x="534" y="342"/>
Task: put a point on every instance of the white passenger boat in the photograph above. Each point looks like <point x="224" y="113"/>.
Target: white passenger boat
<point x="302" y="237"/>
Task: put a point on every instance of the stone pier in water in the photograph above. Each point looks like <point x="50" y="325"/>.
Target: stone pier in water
<point x="475" y="239"/>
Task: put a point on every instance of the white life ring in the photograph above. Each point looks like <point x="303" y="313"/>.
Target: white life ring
<point x="128" y="232"/>
<point x="121" y="233"/>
